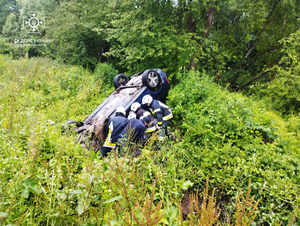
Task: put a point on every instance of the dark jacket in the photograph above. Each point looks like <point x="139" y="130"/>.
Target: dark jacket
<point x="115" y="126"/>
<point x="134" y="129"/>
<point x="160" y="111"/>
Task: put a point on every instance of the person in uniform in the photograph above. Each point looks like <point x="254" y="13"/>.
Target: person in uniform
<point x="114" y="127"/>
<point x="133" y="133"/>
<point x="161" y="112"/>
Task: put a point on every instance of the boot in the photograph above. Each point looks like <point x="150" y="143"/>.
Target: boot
<point x="162" y="134"/>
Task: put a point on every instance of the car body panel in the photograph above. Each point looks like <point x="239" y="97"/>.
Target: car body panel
<point x="91" y="129"/>
<point x="124" y="96"/>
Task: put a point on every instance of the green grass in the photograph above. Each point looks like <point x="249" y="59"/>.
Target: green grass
<point x="49" y="179"/>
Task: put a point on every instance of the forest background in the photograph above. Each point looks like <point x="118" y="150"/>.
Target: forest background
<point x="234" y="71"/>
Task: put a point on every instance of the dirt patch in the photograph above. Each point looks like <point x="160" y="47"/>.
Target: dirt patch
<point x="186" y="204"/>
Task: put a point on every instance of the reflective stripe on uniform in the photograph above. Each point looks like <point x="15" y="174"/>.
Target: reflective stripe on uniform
<point x="151" y="110"/>
<point x="107" y="142"/>
<point x="161" y="138"/>
<point x="163" y="105"/>
<point x="159" y="123"/>
<point x="109" y="145"/>
<point x="156" y="110"/>
<point x="167" y="117"/>
<point x="151" y="129"/>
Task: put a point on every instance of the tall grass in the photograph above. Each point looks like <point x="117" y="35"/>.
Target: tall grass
<point x="49" y="179"/>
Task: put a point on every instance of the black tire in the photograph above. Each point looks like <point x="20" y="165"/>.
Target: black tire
<point x="119" y="80"/>
<point x="152" y="80"/>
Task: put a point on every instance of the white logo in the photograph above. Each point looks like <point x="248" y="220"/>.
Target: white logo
<point x="34" y="22"/>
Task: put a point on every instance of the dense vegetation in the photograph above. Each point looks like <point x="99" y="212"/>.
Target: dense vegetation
<point x="234" y="69"/>
<point x="248" y="45"/>
<point x="47" y="178"/>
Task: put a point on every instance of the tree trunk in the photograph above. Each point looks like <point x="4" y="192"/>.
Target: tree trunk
<point x="211" y="11"/>
<point x="235" y="77"/>
<point x="258" y="76"/>
<point x="210" y="18"/>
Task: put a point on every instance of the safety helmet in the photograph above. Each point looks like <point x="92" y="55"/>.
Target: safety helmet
<point x="147" y="99"/>
<point x="135" y="106"/>
<point x="121" y="110"/>
<point x="131" y="115"/>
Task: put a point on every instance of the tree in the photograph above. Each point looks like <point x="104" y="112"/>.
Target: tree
<point x="75" y="40"/>
<point x="6" y="8"/>
<point x="282" y="93"/>
<point x="11" y="27"/>
<point x="248" y="34"/>
<point x="164" y="34"/>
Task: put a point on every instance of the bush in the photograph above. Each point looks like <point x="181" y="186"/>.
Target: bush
<point x="282" y="93"/>
<point x="4" y="48"/>
<point x="231" y="139"/>
<point x="105" y="72"/>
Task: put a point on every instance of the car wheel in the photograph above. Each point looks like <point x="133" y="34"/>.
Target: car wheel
<point x="70" y="125"/>
<point x="119" y="80"/>
<point x="152" y="80"/>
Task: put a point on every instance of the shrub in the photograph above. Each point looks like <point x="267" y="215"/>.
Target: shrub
<point x="105" y="72"/>
<point x="231" y="138"/>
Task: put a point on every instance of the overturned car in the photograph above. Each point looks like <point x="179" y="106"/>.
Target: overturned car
<point x="127" y="91"/>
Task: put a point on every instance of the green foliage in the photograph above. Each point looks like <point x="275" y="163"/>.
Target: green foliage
<point x="143" y="36"/>
<point x="248" y="35"/>
<point x="48" y="178"/>
<point x="237" y="42"/>
<point x="39" y="167"/>
<point x="230" y="138"/>
<point x="4" y="48"/>
<point x="72" y="30"/>
<point x="7" y="7"/>
<point x="105" y="72"/>
<point x="282" y="93"/>
<point x="11" y="27"/>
